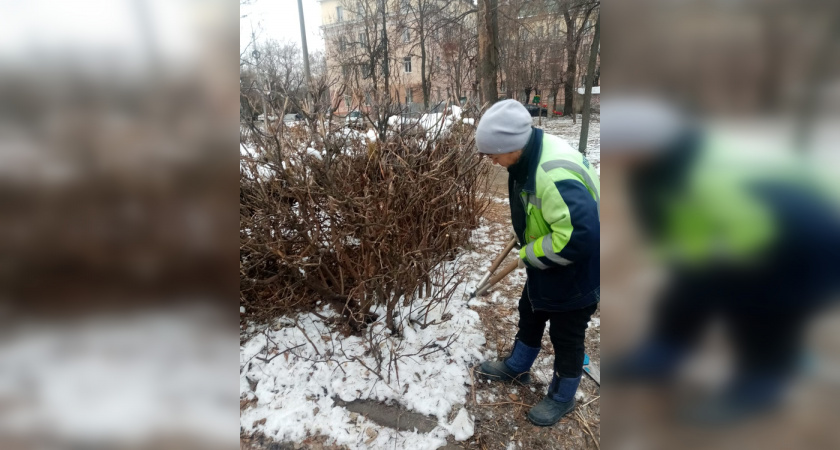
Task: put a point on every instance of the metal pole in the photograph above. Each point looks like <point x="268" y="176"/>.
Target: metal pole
<point x="256" y="54"/>
<point x="305" y="51"/>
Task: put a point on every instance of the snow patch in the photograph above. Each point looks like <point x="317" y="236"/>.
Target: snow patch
<point x="462" y="427"/>
<point x="314" y="153"/>
<point x="292" y="381"/>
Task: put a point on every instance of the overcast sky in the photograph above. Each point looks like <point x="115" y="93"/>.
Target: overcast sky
<point x="278" y="20"/>
<point x="113" y="31"/>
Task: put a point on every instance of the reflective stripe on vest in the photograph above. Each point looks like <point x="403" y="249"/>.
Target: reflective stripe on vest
<point x="573" y="167"/>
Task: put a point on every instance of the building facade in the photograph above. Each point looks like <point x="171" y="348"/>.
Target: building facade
<point x="423" y="39"/>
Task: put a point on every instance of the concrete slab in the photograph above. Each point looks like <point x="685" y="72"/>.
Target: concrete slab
<point x="392" y="416"/>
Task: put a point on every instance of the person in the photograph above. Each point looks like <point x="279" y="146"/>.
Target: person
<point x="554" y="206"/>
<point x="752" y="240"/>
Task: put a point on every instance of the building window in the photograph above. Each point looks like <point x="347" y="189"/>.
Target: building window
<point x="363" y="39"/>
<point x="339" y="14"/>
<point x="405" y="5"/>
<point x="345" y="71"/>
<point x="406" y="35"/>
<point x="347" y="102"/>
<point x="342" y="43"/>
<point x="407" y="64"/>
<point x="366" y="71"/>
<point x="438" y="94"/>
<point x="408" y="96"/>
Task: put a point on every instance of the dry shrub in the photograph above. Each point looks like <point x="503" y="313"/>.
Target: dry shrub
<point x="326" y="215"/>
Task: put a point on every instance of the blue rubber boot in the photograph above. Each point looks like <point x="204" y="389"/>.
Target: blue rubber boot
<point x="745" y="397"/>
<point x="559" y="402"/>
<point x="514" y="368"/>
<point x="653" y="361"/>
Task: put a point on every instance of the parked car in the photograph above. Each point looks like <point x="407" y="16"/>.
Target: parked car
<point x="536" y="110"/>
<point x="292" y="118"/>
<point x="443" y="107"/>
<point x="353" y="119"/>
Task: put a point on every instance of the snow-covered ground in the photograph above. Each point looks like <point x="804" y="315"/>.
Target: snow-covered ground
<point x="291" y="371"/>
<point x="563" y="127"/>
<point x="118" y="381"/>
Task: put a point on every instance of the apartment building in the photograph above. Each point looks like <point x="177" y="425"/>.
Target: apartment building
<point x="434" y="34"/>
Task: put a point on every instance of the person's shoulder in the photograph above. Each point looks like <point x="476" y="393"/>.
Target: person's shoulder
<point x="557" y="145"/>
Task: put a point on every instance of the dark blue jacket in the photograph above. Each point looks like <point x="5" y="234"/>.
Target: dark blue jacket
<point x="554" y="201"/>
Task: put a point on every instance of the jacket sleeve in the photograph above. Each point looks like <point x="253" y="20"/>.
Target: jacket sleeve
<point x="572" y="214"/>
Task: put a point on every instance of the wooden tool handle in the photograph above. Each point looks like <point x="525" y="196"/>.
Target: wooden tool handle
<point x="495" y="279"/>
<point x="503" y="255"/>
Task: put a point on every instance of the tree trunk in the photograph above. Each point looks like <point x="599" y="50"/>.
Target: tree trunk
<point x="488" y="49"/>
<point x="569" y="81"/>
<point x="383" y="120"/>
<point x="424" y="77"/>
<point x="590" y="78"/>
<point x="571" y="64"/>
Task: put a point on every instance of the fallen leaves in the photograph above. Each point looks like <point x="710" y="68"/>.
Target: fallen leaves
<point x="372" y="434"/>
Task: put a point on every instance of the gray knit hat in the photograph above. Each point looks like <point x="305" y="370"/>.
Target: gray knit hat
<point x="504" y="128"/>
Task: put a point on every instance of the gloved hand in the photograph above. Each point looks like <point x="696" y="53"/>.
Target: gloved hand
<point x="521" y="264"/>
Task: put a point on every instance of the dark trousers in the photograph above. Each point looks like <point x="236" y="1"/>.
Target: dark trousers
<point x="767" y="331"/>
<point x="567" y="332"/>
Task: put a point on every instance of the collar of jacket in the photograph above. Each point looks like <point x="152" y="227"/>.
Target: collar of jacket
<point x="530" y="159"/>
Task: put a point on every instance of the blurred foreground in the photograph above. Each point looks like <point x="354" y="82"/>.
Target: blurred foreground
<point x="722" y="237"/>
<point x="118" y="129"/>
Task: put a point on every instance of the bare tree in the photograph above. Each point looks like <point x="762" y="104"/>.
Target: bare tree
<point x="427" y="20"/>
<point x="420" y="18"/>
<point x="359" y="48"/>
<point x="576" y="15"/>
<point x="458" y="43"/>
<point x="533" y="46"/>
<point x="282" y="66"/>
<point x="488" y="49"/>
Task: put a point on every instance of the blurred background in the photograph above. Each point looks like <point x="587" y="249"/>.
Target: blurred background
<point x="118" y="229"/>
<point x="721" y="236"/>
